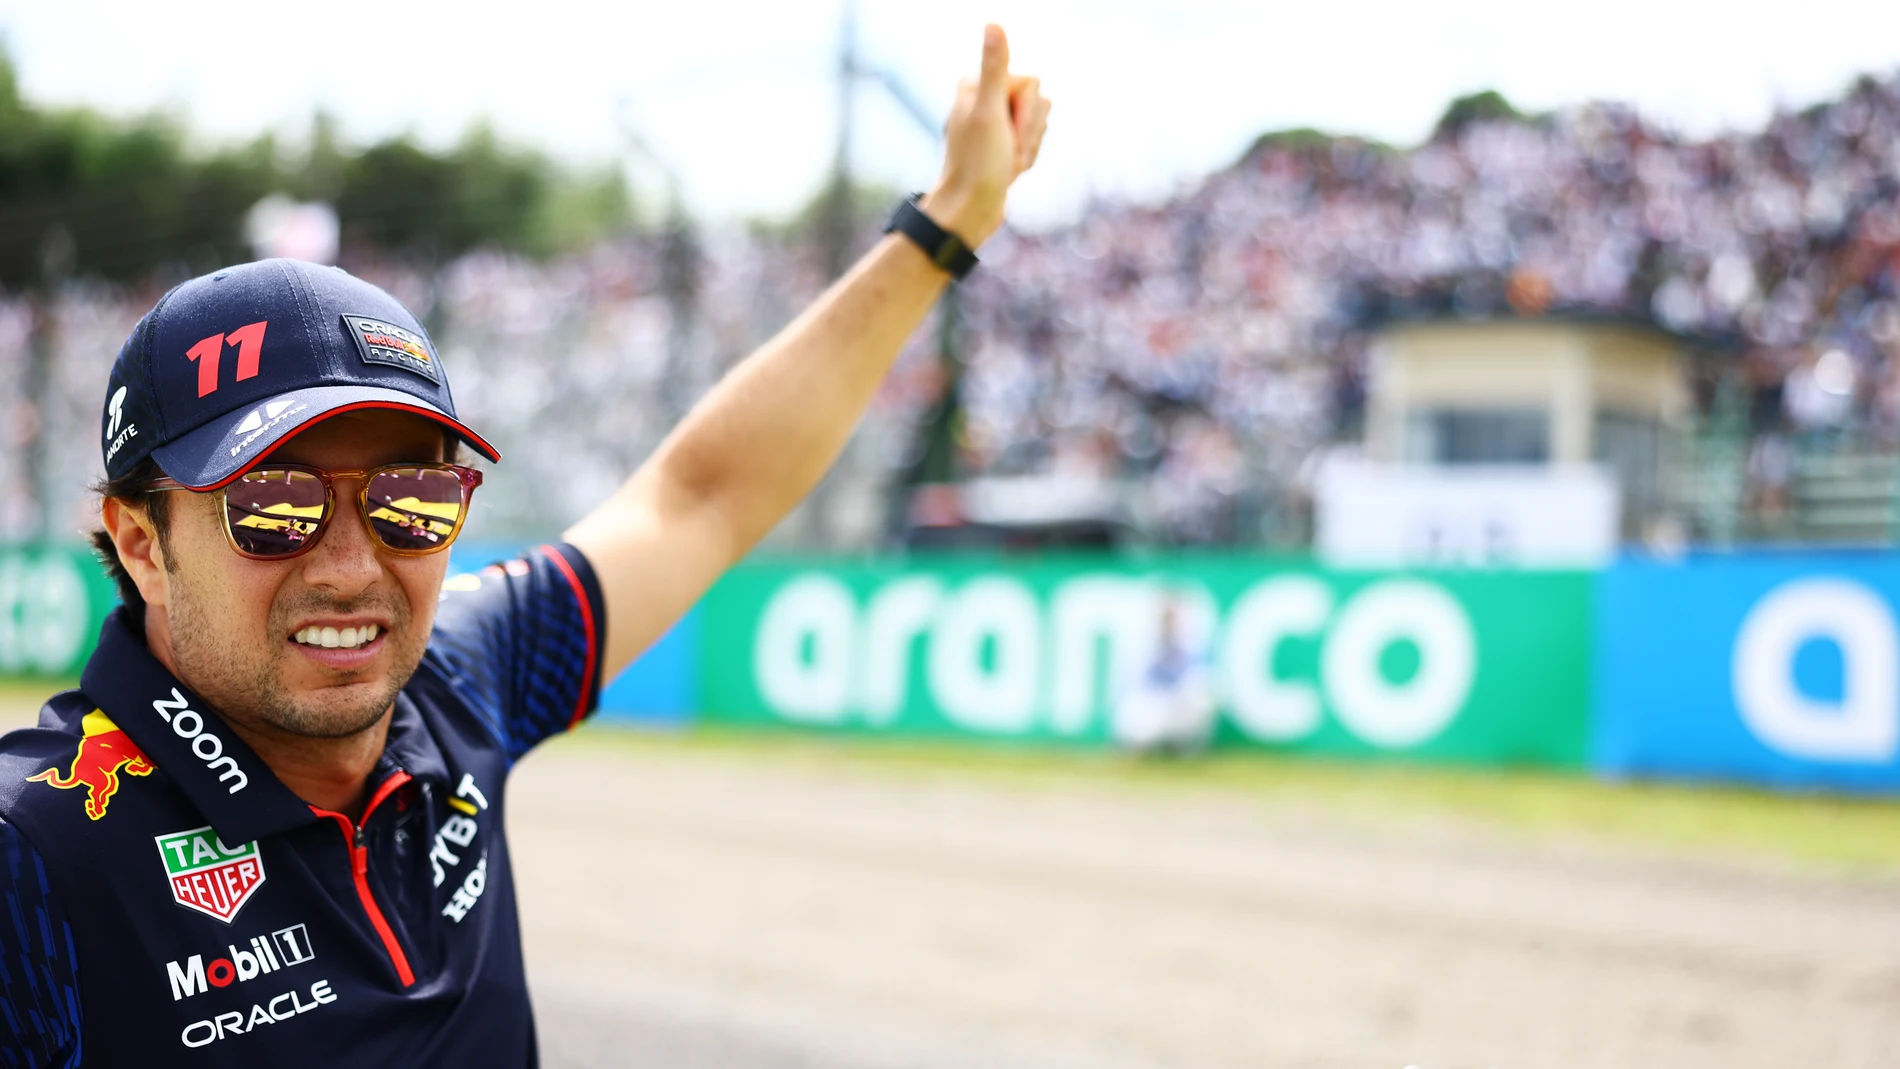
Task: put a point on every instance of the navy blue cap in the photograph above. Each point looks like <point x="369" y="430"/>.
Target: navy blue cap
<point x="228" y="365"/>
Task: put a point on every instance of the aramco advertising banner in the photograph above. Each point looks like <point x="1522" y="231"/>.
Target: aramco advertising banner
<point x="52" y="601"/>
<point x="1459" y="666"/>
<point x="1783" y="670"/>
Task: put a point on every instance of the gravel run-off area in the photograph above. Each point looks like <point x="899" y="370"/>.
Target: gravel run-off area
<point x="688" y="907"/>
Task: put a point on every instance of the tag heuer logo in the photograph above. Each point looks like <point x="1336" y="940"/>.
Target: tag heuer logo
<point x="207" y="875"/>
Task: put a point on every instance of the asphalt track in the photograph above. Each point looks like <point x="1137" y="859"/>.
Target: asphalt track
<point x="692" y="908"/>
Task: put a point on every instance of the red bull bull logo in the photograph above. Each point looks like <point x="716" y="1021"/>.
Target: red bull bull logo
<point x="104" y="752"/>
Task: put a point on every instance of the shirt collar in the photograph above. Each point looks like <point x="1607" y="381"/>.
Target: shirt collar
<point x="410" y="746"/>
<point x="229" y="784"/>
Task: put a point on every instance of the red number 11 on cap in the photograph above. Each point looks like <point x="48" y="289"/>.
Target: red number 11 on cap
<point x="249" y="340"/>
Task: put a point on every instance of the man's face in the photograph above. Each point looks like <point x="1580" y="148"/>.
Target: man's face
<point x="231" y="622"/>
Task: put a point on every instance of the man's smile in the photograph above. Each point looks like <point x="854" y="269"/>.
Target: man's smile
<point x="346" y="648"/>
<point x="330" y="637"/>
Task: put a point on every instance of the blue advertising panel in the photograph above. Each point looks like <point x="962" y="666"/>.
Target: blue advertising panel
<point x="1782" y="670"/>
<point x="661" y="687"/>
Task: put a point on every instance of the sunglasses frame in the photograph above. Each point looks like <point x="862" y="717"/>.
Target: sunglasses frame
<point x="470" y="478"/>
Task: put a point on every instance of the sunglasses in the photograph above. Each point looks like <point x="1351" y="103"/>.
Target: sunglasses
<point x="280" y="512"/>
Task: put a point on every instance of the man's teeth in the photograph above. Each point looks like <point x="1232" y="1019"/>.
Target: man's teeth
<point x="347" y="638"/>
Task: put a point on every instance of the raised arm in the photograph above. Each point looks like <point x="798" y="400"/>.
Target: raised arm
<point x="757" y="444"/>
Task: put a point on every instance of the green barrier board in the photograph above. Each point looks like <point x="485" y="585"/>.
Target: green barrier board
<point x="1462" y="666"/>
<point x="52" y="601"/>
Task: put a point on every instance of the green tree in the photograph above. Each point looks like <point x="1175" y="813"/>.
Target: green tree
<point x="1486" y="106"/>
<point x="84" y="193"/>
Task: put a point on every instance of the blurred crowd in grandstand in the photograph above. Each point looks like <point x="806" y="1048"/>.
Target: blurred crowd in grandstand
<point x="1203" y="350"/>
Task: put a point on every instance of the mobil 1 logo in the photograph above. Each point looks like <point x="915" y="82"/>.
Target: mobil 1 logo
<point x="264" y="954"/>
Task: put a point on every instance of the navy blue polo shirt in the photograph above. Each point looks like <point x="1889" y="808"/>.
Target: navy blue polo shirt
<point x="170" y="902"/>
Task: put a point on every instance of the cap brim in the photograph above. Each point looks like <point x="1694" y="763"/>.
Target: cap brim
<point x="224" y="448"/>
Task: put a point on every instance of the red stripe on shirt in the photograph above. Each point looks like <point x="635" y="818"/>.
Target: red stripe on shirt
<point x="587" y="618"/>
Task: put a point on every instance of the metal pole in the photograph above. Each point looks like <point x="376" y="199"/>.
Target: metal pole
<point x="679" y="273"/>
<point x="57" y="262"/>
<point x="38" y="389"/>
<point x="835" y="233"/>
<point x="679" y="279"/>
<point x="836" y="222"/>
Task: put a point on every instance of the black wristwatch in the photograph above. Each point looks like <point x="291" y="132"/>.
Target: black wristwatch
<point x="945" y="249"/>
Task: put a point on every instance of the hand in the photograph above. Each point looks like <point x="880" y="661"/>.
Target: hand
<point x="994" y="133"/>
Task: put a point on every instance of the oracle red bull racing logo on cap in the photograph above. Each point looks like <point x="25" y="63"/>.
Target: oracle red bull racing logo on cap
<point x="208" y="876"/>
<point x="386" y="343"/>
<point x="104" y="752"/>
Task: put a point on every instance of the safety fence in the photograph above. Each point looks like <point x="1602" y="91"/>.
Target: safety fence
<point x="1781" y="670"/>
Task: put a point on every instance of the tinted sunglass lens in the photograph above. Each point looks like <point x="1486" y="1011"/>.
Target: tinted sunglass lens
<point x="274" y="513"/>
<point x="415" y="508"/>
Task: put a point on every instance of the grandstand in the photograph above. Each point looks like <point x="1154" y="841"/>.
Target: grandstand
<point x="1194" y="356"/>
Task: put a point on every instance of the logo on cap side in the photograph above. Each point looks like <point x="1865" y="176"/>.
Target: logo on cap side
<point x="386" y="343"/>
<point x="114" y="440"/>
<point x="116" y="408"/>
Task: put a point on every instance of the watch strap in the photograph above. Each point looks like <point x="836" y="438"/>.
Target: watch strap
<point x="945" y="249"/>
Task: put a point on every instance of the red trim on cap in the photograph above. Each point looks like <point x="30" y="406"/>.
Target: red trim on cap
<point x="587" y="620"/>
<point x="480" y="443"/>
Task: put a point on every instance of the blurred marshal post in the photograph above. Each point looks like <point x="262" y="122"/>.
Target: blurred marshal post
<point x="936" y="451"/>
<point x="680" y="262"/>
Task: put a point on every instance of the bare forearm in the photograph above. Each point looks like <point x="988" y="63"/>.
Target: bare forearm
<point x="759" y="442"/>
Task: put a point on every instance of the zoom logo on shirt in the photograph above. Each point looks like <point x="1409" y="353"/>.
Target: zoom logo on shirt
<point x="267" y="954"/>
<point x="188" y="724"/>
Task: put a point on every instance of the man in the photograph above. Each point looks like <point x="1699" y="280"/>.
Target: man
<point x="267" y="829"/>
<point x="1167" y="704"/>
